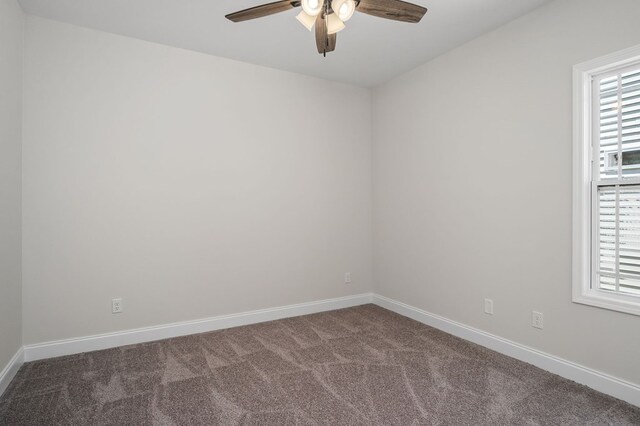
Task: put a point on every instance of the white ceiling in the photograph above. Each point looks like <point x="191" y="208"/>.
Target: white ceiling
<point x="369" y="51"/>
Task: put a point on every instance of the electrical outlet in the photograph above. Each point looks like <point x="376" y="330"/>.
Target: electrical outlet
<point x="488" y="306"/>
<point x="537" y="320"/>
<point x="347" y="277"/>
<point x="116" y="306"/>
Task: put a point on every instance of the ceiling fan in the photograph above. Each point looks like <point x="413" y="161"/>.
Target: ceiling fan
<point x="329" y="16"/>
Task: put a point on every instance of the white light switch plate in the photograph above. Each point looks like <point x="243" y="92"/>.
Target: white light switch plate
<point x="488" y="306"/>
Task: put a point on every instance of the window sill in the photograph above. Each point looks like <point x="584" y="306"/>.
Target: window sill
<point x="627" y="305"/>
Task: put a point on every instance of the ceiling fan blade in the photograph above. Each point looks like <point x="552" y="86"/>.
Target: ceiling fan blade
<point x="262" y="10"/>
<point x="331" y="42"/>
<point x="325" y="42"/>
<point x="397" y="10"/>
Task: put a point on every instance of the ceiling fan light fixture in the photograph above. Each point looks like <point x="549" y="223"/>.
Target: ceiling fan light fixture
<point x="344" y="9"/>
<point x="305" y="19"/>
<point x="328" y="16"/>
<point x="334" y="24"/>
<point x="312" y="7"/>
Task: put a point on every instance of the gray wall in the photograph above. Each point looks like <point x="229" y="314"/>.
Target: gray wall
<point x="11" y="39"/>
<point x="472" y="183"/>
<point x="189" y="185"/>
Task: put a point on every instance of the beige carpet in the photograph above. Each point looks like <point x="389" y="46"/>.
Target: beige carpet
<point x="357" y="366"/>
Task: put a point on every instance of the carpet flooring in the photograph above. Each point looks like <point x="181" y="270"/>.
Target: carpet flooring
<point x="356" y="366"/>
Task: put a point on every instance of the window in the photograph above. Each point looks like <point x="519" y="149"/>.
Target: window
<point x="606" y="201"/>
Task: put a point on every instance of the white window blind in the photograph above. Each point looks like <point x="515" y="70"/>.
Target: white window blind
<point x="616" y="184"/>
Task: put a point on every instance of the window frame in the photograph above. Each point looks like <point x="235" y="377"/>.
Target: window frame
<point x="585" y="187"/>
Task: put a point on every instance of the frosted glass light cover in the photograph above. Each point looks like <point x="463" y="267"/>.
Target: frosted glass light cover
<point x="344" y="9"/>
<point x="312" y="7"/>
<point x="334" y="24"/>
<point x="306" y="19"/>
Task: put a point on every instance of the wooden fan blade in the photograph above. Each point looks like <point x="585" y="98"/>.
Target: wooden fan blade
<point x="397" y="10"/>
<point x="331" y="42"/>
<point x="262" y="10"/>
<point x="325" y="42"/>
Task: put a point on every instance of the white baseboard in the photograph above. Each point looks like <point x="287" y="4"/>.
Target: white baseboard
<point x="140" y="335"/>
<point x="10" y="370"/>
<point x="594" y="379"/>
<point x="601" y="382"/>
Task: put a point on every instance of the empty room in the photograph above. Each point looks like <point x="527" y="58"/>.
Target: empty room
<point x="319" y="212"/>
